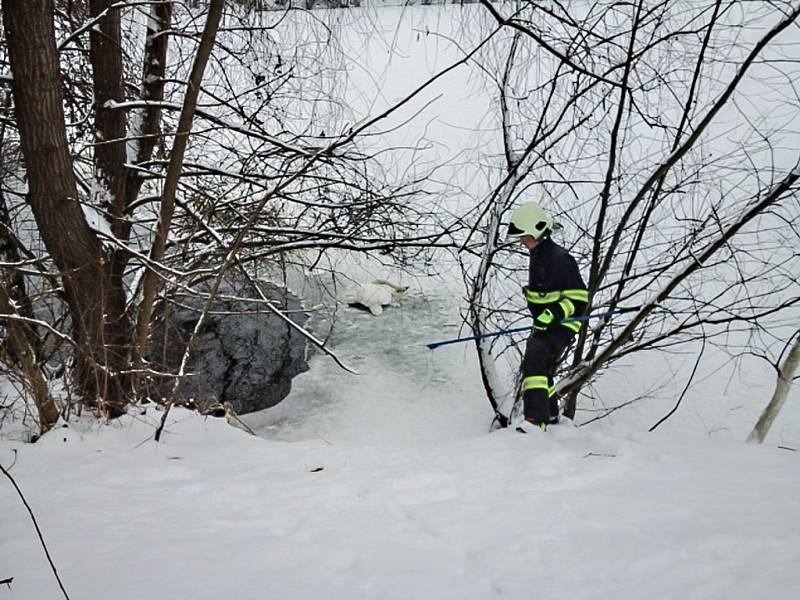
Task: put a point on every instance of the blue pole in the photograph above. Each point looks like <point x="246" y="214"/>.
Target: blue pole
<point x="482" y="336"/>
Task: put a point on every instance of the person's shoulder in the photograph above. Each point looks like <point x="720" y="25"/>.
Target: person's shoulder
<point x="558" y="252"/>
<point x="553" y="247"/>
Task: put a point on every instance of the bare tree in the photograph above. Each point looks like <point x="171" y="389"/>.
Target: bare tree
<point x="99" y="319"/>
<point x="616" y="135"/>
<point x="786" y="374"/>
<point x="134" y="204"/>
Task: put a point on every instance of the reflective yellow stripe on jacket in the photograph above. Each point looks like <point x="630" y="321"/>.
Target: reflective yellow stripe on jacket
<point x="565" y="299"/>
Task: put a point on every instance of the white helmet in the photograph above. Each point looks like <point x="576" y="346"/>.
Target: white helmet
<point x="529" y="219"/>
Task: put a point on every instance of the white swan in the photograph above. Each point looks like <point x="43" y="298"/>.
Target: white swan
<point x="374" y="296"/>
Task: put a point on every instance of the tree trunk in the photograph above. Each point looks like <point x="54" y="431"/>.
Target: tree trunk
<point x="23" y="353"/>
<point x="110" y="127"/>
<point x="100" y="326"/>
<point x="147" y="124"/>
<point x="785" y="376"/>
<point x="151" y="282"/>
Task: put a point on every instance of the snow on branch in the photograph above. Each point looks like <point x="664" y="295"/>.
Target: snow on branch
<point x="100" y="16"/>
<point x="174" y="106"/>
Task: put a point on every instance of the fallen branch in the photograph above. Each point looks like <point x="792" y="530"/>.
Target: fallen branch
<point x="38" y="532"/>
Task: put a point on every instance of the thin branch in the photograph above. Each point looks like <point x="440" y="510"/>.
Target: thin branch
<point x="676" y="155"/>
<point x="685" y="388"/>
<point x="38" y="531"/>
<point x="769" y="199"/>
<point x="539" y="40"/>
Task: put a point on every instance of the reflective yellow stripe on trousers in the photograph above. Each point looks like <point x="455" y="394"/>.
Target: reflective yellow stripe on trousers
<point x="548" y="297"/>
<point x="535" y="382"/>
<point x="577" y="295"/>
<point x="542" y="297"/>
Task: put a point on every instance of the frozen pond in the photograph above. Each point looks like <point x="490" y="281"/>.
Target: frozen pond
<point x="403" y="391"/>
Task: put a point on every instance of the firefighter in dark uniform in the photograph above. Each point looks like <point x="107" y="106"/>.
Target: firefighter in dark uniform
<point x="555" y="292"/>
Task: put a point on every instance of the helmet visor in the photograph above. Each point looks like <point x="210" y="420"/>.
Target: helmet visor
<point x="514" y="232"/>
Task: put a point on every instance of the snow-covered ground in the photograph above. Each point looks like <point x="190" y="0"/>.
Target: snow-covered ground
<point x="213" y="512"/>
<point x="388" y="485"/>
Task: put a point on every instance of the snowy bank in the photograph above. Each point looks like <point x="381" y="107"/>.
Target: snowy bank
<point x="575" y="513"/>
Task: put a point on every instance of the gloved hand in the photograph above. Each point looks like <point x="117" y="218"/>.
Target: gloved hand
<point x="543" y="321"/>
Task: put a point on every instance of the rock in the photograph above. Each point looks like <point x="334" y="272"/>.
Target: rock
<point x="243" y="355"/>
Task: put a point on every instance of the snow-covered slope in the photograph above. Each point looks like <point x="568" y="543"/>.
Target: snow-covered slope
<point x="386" y="485"/>
<point x="212" y="512"/>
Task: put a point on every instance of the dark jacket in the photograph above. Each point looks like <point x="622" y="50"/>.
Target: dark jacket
<point x="556" y="290"/>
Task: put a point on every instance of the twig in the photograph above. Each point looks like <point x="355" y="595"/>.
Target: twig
<point x="38" y="531"/>
<point x="230" y="415"/>
<point x="608" y="411"/>
<point x="14" y="450"/>
<point x="163" y="422"/>
<point x="316" y="433"/>
<point x="685" y="388"/>
<point x="510" y="22"/>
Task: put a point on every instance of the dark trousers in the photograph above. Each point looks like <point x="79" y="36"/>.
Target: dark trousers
<point x="542" y="354"/>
